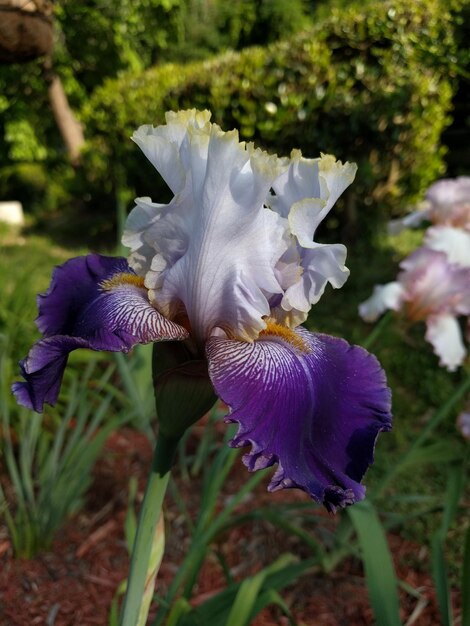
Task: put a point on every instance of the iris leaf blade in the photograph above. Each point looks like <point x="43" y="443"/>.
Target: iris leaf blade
<point x="380" y="573"/>
<point x="441" y="580"/>
<point x="466" y="581"/>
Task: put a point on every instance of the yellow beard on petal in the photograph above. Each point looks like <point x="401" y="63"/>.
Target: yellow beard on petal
<point x="273" y="329"/>
<point x="122" y="279"/>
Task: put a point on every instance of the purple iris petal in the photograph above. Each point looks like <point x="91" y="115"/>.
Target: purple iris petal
<point x="93" y="302"/>
<point x="43" y="370"/>
<point x="315" y="409"/>
<point x="74" y="285"/>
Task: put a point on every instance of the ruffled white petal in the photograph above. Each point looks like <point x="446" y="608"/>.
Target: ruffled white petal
<point x="307" y="190"/>
<point x="141" y="223"/>
<point x="433" y="285"/>
<point x="443" y="333"/>
<point x="300" y="180"/>
<point x="455" y="242"/>
<point x="215" y="245"/>
<point x="389" y="296"/>
<point x="320" y="264"/>
<point x="305" y="193"/>
<point x="235" y="245"/>
<point x="161" y="145"/>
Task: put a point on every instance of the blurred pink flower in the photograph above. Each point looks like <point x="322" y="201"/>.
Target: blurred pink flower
<point x="449" y="201"/>
<point x="447" y="204"/>
<point x="429" y="288"/>
<point x="454" y="242"/>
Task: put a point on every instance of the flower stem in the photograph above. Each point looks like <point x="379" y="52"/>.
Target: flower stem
<point x="149" y="516"/>
<point x="377" y="330"/>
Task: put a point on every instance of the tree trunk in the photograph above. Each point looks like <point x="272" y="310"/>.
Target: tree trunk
<point x="69" y="127"/>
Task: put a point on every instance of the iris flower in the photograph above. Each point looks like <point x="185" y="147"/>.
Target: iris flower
<point x="230" y="267"/>
<point x="447" y="203"/>
<point x="433" y="289"/>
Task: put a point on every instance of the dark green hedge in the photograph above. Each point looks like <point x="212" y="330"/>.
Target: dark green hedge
<point x="372" y="85"/>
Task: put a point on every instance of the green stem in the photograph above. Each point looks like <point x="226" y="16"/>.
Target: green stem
<point x="377" y="330"/>
<point x="148" y="519"/>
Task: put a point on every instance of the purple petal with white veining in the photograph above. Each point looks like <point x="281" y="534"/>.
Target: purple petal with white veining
<point x="93" y="302"/>
<point x="74" y="285"/>
<point x="316" y="410"/>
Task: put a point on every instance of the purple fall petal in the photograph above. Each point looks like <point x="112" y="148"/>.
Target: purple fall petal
<point x="93" y="302"/>
<point x="43" y="370"/>
<point x="74" y="285"/>
<point x="315" y="410"/>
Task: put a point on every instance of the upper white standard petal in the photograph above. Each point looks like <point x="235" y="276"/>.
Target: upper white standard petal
<point x="305" y="193"/>
<point x="389" y="296"/>
<point x="215" y="246"/>
<point x="455" y="242"/>
<point x="235" y="245"/>
<point x="443" y="333"/>
<point x="161" y="144"/>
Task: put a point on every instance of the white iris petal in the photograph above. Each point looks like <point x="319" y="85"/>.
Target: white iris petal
<point x="455" y="242"/>
<point x="226" y="251"/>
<point x="389" y="296"/>
<point x="305" y="193"/>
<point x="215" y="245"/>
<point x="161" y="145"/>
<point x="443" y="332"/>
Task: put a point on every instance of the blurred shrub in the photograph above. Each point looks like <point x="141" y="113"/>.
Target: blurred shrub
<point x="370" y="86"/>
<point x="36" y="186"/>
<point x="98" y="40"/>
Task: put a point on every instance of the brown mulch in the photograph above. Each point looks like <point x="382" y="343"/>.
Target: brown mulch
<point x="74" y="583"/>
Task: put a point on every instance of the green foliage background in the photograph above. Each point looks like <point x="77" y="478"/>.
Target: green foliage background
<point x="374" y="87"/>
<point x="372" y="83"/>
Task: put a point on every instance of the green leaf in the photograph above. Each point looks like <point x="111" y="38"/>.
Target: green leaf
<point x="249" y="601"/>
<point x="217" y="610"/>
<point x="113" y="619"/>
<point x="437" y="452"/>
<point x="441" y="579"/>
<point x="414" y="451"/>
<point x="272" y="597"/>
<point x="466" y="581"/>
<point x="148" y="547"/>
<point x="455" y="486"/>
<point x="380" y="574"/>
<point x="180" y="608"/>
<point x="130" y="523"/>
<point x="245" y="599"/>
